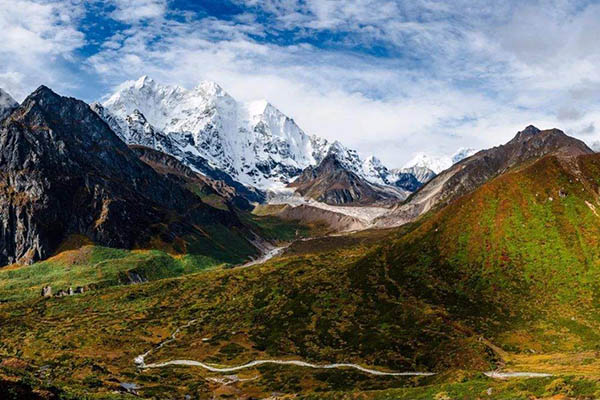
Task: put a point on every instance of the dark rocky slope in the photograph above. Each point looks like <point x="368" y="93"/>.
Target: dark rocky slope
<point x="202" y="185"/>
<point x="331" y="183"/>
<point x="64" y="172"/>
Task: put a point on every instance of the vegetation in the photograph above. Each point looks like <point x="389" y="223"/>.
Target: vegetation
<point x="505" y="277"/>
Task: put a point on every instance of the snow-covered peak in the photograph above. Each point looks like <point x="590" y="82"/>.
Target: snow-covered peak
<point x="144" y="81"/>
<point x="254" y="142"/>
<point x="7" y="104"/>
<point x="375" y="171"/>
<point x="210" y="88"/>
<point x="439" y="163"/>
<point x="435" y="163"/>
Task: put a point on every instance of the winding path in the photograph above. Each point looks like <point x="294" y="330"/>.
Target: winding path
<point x="141" y="363"/>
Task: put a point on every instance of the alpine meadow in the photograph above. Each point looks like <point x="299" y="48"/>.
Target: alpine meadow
<point x="299" y="199"/>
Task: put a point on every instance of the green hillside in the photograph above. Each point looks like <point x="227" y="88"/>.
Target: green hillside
<point x="505" y="277"/>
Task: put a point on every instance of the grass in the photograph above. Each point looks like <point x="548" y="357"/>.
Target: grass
<point x="503" y="277"/>
<point x="94" y="267"/>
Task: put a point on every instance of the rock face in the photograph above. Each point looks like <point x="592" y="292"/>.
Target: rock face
<point x="472" y="172"/>
<point x="63" y="171"/>
<point x="332" y="183"/>
<point x="200" y="184"/>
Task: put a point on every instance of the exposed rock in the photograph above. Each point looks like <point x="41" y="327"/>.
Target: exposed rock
<point x="176" y="170"/>
<point x="47" y="291"/>
<point x="63" y="172"/>
<point x="330" y="182"/>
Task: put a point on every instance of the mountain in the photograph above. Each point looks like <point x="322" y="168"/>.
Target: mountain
<point x="7" y="104"/>
<point x="407" y="179"/>
<point x="512" y="261"/>
<point x="470" y="173"/>
<point x="66" y="173"/>
<point x="438" y="164"/>
<point x="251" y="144"/>
<point x="331" y="182"/>
<point x="421" y="174"/>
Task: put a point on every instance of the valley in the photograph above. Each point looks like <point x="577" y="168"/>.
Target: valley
<point x="132" y="269"/>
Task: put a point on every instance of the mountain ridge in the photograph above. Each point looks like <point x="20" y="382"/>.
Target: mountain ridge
<point x="254" y="143"/>
<point x="472" y="172"/>
<point x="331" y="182"/>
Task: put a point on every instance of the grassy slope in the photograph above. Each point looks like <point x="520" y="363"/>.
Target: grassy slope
<point x="80" y="263"/>
<point x="515" y="260"/>
<point x="505" y="262"/>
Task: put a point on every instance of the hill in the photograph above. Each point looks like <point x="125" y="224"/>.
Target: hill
<point x="332" y="183"/>
<point x="467" y="175"/>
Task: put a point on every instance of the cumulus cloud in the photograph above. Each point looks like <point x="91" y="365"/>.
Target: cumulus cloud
<point x="387" y="77"/>
<point x="132" y="11"/>
<point x="36" y="39"/>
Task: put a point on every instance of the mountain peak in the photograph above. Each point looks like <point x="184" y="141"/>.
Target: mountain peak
<point x="42" y="91"/>
<point x="144" y="80"/>
<point x="211" y="88"/>
<point x="530" y="130"/>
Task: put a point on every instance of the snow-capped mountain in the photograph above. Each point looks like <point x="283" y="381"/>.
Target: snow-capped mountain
<point x="438" y="164"/>
<point x="409" y="179"/>
<point x="253" y="142"/>
<point x="7" y="104"/>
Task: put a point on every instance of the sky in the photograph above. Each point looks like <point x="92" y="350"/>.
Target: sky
<point x="386" y="77"/>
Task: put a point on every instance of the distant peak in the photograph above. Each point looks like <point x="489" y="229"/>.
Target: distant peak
<point x="7" y="104"/>
<point x="373" y="161"/>
<point x="41" y="93"/>
<point x="530" y="130"/>
<point x="144" y="80"/>
<point x="210" y="87"/>
<point x="6" y="99"/>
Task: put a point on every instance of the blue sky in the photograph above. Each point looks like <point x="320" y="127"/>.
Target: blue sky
<point x="387" y="77"/>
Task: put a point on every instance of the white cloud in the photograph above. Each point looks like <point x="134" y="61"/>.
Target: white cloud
<point x="449" y="74"/>
<point x="35" y="38"/>
<point x="132" y="11"/>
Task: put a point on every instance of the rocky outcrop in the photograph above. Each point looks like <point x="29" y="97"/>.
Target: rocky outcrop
<point x="330" y="182"/>
<point x="47" y="291"/>
<point x="63" y="172"/>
